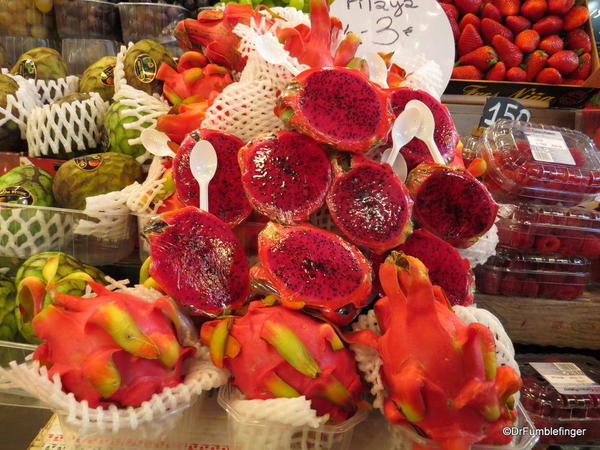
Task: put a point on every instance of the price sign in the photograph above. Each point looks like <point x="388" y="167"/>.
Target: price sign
<point x="414" y="27"/>
<point x="497" y="108"/>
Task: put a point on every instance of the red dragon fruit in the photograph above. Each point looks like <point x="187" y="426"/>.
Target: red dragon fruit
<point x="312" y="268"/>
<point x="445" y="135"/>
<point x="113" y="348"/>
<point x="274" y="352"/>
<point x="226" y="197"/>
<point x="285" y="175"/>
<point x="369" y="203"/>
<point x="337" y="106"/>
<point x="446" y="267"/>
<point x="451" y="203"/>
<point x="440" y="374"/>
<point x="197" y="260"/>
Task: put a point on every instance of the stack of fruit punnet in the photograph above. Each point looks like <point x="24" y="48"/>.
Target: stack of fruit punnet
<point x="271" y="308"/>
<point x="546" y="240"/>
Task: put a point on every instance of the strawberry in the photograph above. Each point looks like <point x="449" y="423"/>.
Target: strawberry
<point x="490" y="28"/>
<point x="496" y="73"/>
<point x="482" y="58"/>
<point x="559" y="7"/>
<point x="573" y="81"/>
<point x="454" y="28"/>
<point x="527" y="40"/>
<point x="489" y="11"/>
<point x="548" y="25"/>
<point x="576" y="17"/>
<point x="469" y="18"/>
<point x="468" y="6"/>
<point x="579" y="40"/>
<point x="549" y="75"/>
<point x="516" y="24"/>
<point x="565" y="61"/>
<point x="508" y="52"/>
<point x="583" y="69"/>
<point x="536" y="61"/>
<point x="466" y="73"/>
<point x="552" y="44"/>
<point x="508" y="7"/>
<point x="547" y="244"/>
<point x="450" y="10"/>
<point x="534" y="9"/>
<point x="469" y="40"/>
<point x="516" y="74"/>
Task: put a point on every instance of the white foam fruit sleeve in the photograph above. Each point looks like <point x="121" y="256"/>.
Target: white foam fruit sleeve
<point x="19" y="106"/>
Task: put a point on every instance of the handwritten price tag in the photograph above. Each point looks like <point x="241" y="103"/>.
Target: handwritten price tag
<point x="497" y="108"/>
<point x="414" y="27"/>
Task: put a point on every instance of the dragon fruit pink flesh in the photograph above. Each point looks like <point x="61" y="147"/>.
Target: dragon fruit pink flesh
<point x="275" y="352"/>
<point x="285" y="175"/>
<point x="226" y="195"/>
<point x="446" y="267"/>
<point x="445" y="135"/>
<point x="451" y="203"/>
<point x="337" y="106"/>
<point x="113" y="348"/>
<point x="197" y="260"/>
<point x="369" y="203"/>
<point x="313" y="269"/>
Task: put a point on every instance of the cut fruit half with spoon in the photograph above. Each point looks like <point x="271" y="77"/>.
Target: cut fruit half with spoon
<point x="203" y="164"/>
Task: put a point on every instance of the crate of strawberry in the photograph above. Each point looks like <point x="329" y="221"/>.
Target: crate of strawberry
<point x="511" y="44"/>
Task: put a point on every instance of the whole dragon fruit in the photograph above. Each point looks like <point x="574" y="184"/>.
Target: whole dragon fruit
<point x="285" y="175"/>
<point x="226" y="195"/>
<point x="337" y="106"/>
<point x="369" y="203"/>
<point x="440" y="374"/>
<point x="445" y="135"/>
<point x="451" y="203"/>
<point x="197" y="260"/>
<point x="113" y="348"/>
<point x="274" y="352"/>
<point x="314" y="269"/>
<point x="446" y="267"/>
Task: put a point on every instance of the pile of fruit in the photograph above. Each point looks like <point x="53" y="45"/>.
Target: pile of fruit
<point x="542" y="41"/>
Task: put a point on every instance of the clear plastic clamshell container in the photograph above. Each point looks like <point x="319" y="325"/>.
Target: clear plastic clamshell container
<point x="518" y="274"/>
<point x="402" y="437"/>
<point x="549" y="229"/>
<point x="10" y="396"/>
<point x="574" y="417"/>
<point x="150" y="21"/>
<point x="87" y="19"/>
<point x="33" y="18"/>
<point x="539" y="163"/>
<point x="247" y="434"/>
<point x="96" y="239"/>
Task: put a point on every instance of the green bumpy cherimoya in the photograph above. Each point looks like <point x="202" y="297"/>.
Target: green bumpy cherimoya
<point x="42" y="275"/>
<point x="8" y="319"/>
<point x="40" y="63"/>
<point x="37" y="182"/>
<point x="10" y="133"/>
<point x="91" y="175"/>
<point x="98" y="77"/>
<point x="141" y="65"/>
<point x="118" y="135"/>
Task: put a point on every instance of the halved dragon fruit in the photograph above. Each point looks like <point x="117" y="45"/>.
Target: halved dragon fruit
<point x="285" y="175"/>
<point x="312" y="268"/>
<point x="197" y="260"/>
<point x="225" y="193"/>
<point x="369" y="203"/>
<point x="446" y="267"/>
<point x="445" y="135"/>
<point x="337" y="106"/>
<point x="451" y="203"/>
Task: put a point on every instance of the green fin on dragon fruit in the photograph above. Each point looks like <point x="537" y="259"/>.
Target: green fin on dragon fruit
<point x="41" y="277"/>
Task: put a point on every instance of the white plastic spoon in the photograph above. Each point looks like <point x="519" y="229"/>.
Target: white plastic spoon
<point x="203" y="164"/>
<point x="426" y="130"/>
<point x="273" y="52"/>
<point x="156" y="142"/>
<point x="377" y="69"/>
<point x="404" y="129"/>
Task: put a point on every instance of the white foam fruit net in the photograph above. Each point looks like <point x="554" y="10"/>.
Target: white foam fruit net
<point x="369" y="363"/>
<point x="143" y="199"/>
<point x="153" y="418"/>
<point x="423" y="74"/>
<point x="145" y="111"/>
<point x="66" y="128"/>
<point x="245" y="107"/>
<point x="29" y="230"/>
<point x="52" y="90"/>
<point x="19" y="106"/>
<point x="484" y="248"/>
